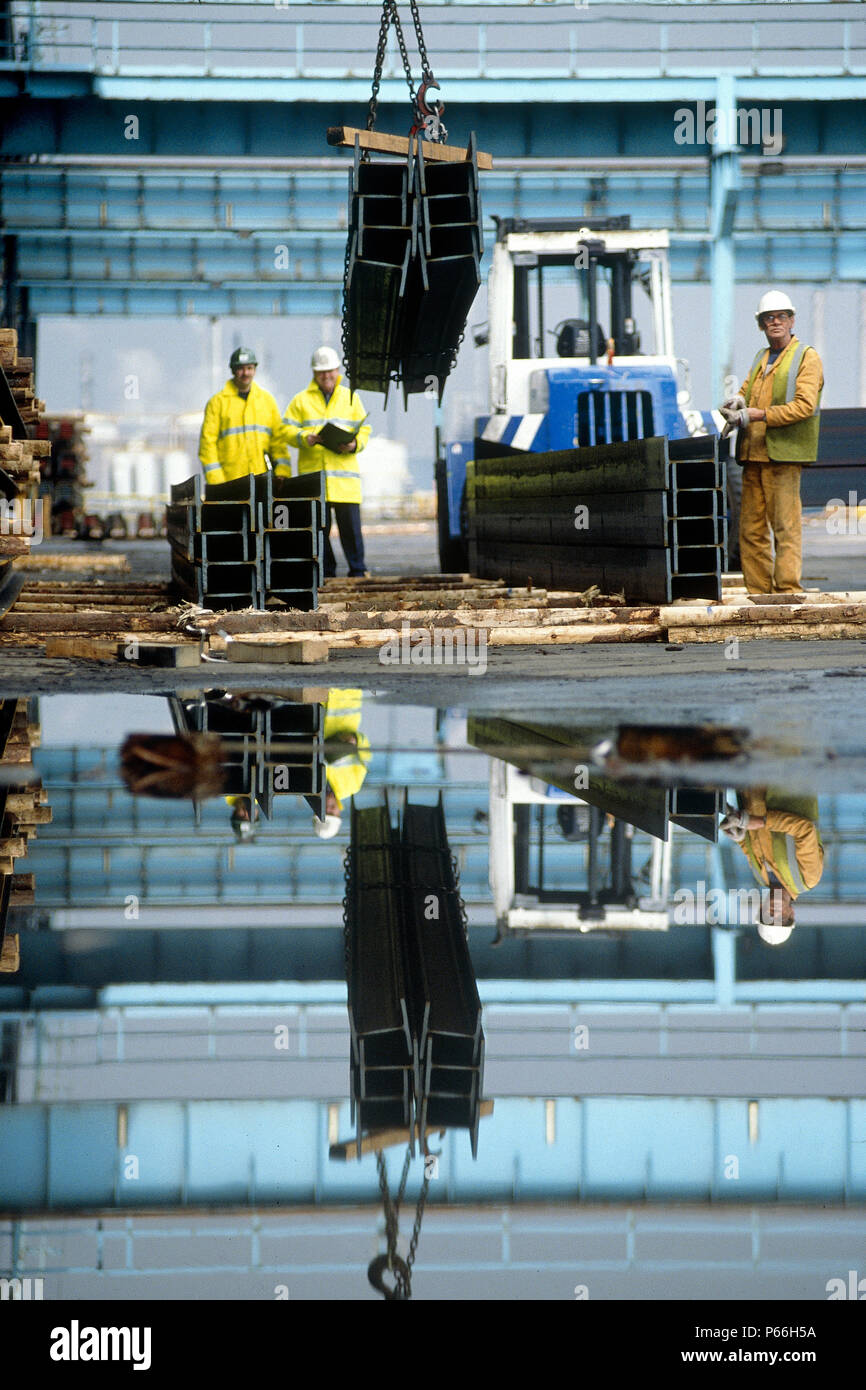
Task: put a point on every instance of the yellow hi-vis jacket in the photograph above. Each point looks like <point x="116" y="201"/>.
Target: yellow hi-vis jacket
<point x="236" y="434"/>
<point x="343" y="716"/>
<point x="308" y="410"/>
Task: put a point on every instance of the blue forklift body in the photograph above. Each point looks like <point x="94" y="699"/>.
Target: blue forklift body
<point x="574" y="407"/>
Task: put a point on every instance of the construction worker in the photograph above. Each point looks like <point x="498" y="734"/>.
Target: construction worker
<point x="347" y="754"/>
<point x="778" y="833"/>
<point x="776" y="413"/>
<point x="244" y="817"/>
<point x="327" y="399"/>
<point x="242" y="424"/>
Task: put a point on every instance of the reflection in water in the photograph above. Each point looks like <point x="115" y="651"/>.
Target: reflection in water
<point x="778" y="833"/>
<point x="184" y="992"/>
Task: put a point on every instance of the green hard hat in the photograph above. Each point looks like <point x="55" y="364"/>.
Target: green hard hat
<point x="243" y="357"/>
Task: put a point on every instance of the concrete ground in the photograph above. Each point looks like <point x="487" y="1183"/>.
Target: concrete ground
<point x="800" y="699"/>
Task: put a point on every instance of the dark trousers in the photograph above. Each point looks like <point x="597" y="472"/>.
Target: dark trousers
<point x="348" y="516"/>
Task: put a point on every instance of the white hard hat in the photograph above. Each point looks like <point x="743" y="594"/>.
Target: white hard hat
<point x="325" y="359"/>
<point x="326" y="829"/>
<point x="772" y="935"/>
<point x="773" y="299"/>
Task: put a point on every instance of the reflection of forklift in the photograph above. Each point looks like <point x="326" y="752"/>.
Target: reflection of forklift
<point x="531" y="822"/>
<point x="540" y="814"/>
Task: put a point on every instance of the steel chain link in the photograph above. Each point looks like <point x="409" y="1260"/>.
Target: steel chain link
<point x="426" y="70"/>
<point x="402" y="1283"/>
<point x="390" y="16"/>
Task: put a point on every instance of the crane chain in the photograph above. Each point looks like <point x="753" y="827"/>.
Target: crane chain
<point x="389" y="17"/>
<point x="402" y="1280"/>
<point x="426" y="70"/>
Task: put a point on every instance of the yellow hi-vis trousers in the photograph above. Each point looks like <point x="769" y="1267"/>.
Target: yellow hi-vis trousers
<point x="771" y="504"/>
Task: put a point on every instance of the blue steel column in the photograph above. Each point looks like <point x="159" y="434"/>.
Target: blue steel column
<point x="724" y="187"/>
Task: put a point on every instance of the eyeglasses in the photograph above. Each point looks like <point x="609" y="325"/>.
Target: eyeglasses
<point x="776" y="318"/>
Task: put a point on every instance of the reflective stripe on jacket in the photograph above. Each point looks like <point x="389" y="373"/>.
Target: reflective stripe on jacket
<point x="236" y="434"/>
<point x="308" y="410"/>
<point x="343" y="716"/>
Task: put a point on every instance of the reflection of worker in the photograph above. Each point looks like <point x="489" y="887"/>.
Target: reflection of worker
<point x="326" y="398"/>
<point x="776" y="413"/>
<point x="243" y="817"/>
<point x="778" y="833"/>
<point x="347" y="754"/>
<point x="242" y="424"/>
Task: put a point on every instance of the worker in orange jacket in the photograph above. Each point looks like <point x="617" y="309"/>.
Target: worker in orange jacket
<point x="776" y="413"/>
<point x="778" y="833"/>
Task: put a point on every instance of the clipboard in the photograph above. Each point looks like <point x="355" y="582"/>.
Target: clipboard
<point x="332" y="436"/>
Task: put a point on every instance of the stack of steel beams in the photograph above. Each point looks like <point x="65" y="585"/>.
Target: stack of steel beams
<point x="646" y="516"/>
<point x="412" y="269"/>
<point x="269" y="747"/>
<point x="445" y="273"/>
<point x="446" y="1009"/>
<point x="250" y="541"/>
<point x="414" y="1011"/>
<point x="383" y="1049"/>
<point x="382" y="238"/>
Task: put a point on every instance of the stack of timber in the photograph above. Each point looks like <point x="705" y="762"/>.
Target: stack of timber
<point x="646" y="516"/>
<point x="438" y="611"/>
<point x="413" y="265"/>
<point x="64" y="472"/>
<point x="22" y="809"/>
<point x="249" y="543"/>
<point x="20" y="521"/>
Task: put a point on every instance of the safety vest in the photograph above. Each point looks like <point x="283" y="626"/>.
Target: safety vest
<point x="783" y="855"/>
<point x="237" y="433"/>
<point x="309" y="409"/>
<point x="796" y="443"/>
<point x="343" y="716"/>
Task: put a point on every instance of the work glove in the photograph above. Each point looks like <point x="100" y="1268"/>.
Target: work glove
<point x="737" y="419"/>
<point x="735" y="824"/>
<point x="734" y="403"/>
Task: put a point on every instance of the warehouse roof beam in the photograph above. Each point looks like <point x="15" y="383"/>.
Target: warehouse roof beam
<point x="575" y="42"/>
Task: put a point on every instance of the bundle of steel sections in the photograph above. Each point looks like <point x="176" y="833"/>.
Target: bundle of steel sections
<point x="269" y="748"/>
<point x="445" y="1007"/>
<point x="383" y="1056"/>
<point x="413" y="268"/>
<point x="414" y="1011"/>
<point x="249" y="541"/>
<point x="646" y="517"/>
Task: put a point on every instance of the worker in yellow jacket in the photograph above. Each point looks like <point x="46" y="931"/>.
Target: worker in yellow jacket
<point x="347" y="755"/>
<point x="327" y="399"/>
<point x="778" y="833"/>
<point x="776" y="413"/>
<point x="242" y="424"/>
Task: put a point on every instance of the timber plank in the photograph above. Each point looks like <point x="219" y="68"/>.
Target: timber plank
<point x="382" y="143"/>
